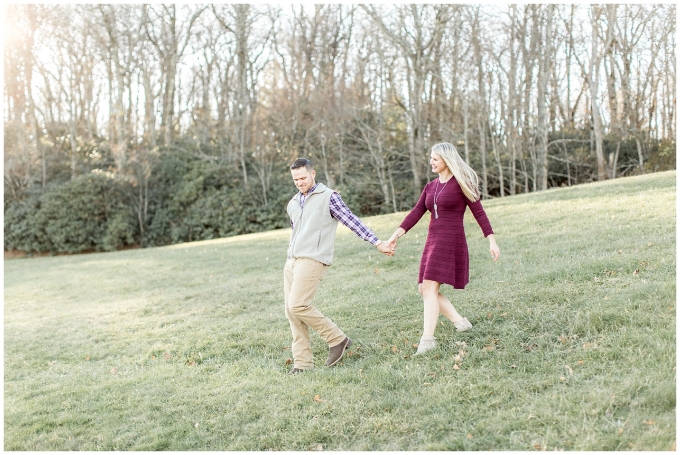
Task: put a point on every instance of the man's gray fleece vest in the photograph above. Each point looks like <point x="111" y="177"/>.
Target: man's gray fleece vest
<point x="314" y="228"/>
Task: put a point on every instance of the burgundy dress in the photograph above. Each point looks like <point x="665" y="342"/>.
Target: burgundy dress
<point x="445" y="257"/>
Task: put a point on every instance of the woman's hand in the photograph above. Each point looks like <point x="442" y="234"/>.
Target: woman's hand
<point x="392" y="241"/>
<point x="495" y="251"/>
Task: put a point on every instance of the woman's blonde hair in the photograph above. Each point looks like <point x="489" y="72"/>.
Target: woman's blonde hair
<point x="464" y="174"/>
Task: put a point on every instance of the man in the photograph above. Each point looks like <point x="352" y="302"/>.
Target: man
<point x="314" y="214"/>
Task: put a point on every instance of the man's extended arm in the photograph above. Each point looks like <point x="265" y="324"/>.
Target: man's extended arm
<point x="342" y="213"/>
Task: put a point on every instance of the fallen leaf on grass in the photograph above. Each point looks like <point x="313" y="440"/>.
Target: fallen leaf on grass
<point x="562" y="339"/>
<point x="620" y="430"/>
<point x="395" y="349"/>
<point x="316" y="448"/>
<point x="469" y="436"/>
<point x="376" y="271"/>
<point x="580" y="362"/>
<point x="569" y="370"/>
<point x="114" y="370"/>
<point x="489" y="348"/>
<point x="285" y="348"/>
<point x="289" y="361"/>
<point x="318" y="399"/>
<point x="167" y="356"/>
<point x="415" y="345"/>
<point x="488" y="316"/>
<point x="530" y="347"/>
<point x="87" y="358"/>
<point x="636" y="272"/>
<point x="456" y="367"/>
<point x="425" y="384"/>
<point x="650" y="422"/>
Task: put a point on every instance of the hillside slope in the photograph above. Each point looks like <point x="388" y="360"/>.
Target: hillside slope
<point x="185" y="347"/>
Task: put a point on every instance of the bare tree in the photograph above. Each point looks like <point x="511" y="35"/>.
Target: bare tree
<point x="170" y="36"/>
<point x="417" y="39"/>
<point x="240" y="21"/>
<point x="591" y="72"/>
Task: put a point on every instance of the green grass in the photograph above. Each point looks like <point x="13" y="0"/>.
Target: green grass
<point x="573" y="345"/>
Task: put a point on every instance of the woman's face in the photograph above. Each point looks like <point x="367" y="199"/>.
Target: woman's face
<point x="437" y="163"/>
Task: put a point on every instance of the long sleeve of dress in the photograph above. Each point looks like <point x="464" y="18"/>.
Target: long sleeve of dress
<point x="480" y="215"/>
<point x="416" y="212"/>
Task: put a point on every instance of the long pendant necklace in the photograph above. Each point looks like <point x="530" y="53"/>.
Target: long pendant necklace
<point x="436" y="214"/>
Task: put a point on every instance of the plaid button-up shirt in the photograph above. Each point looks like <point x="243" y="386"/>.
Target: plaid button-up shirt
<point x="342" y="213"/>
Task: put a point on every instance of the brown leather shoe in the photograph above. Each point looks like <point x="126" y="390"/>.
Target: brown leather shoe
<point x="336" y="352"/>
<point x="296" y="371"/>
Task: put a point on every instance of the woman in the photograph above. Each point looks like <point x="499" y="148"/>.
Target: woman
<point x="445" y="257"/>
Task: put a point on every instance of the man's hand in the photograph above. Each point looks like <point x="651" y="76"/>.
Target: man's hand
<point x="386" y="248"/>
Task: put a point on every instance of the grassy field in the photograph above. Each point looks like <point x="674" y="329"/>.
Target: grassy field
<point x="186" y="347"/>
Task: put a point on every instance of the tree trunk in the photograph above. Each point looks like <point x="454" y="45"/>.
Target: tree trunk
<point x="593" y="83"/>
<point x="466" y="118"/>
<point x="481" y="125"/>
<point x="149" y="112"/>
<point x="497" y="157"/>
<point x="542" y="126"/>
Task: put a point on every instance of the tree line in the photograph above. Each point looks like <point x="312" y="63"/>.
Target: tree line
<point x="156" y="124"/>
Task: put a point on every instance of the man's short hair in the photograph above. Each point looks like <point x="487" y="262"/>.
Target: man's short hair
<point x="302" y="162"/>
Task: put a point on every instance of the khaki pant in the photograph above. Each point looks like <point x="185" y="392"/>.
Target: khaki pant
<point x="301" y="279"/>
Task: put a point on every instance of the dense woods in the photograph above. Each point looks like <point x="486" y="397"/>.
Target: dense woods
<point x="157" y="124"/>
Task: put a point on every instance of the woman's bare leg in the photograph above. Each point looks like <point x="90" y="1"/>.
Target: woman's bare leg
<point x="430" y="292"/>
<point x="446" y="308"/>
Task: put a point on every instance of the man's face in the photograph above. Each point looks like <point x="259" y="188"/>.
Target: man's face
<point x="303" y="178"/>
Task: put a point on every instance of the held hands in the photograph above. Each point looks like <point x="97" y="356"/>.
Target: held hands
<point x="392" y="241"/>
<point x="386" y="248"/>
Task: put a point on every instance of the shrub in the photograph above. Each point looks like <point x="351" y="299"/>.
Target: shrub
<point x="192" y="199"/>
<point x="86" y="213"/>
